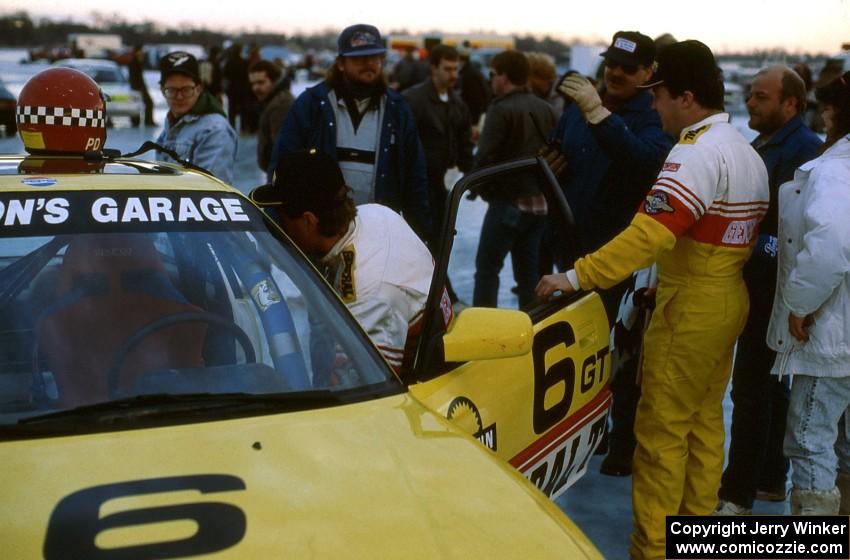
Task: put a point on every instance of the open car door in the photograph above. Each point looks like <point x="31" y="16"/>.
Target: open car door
<point x="533" y="391"/>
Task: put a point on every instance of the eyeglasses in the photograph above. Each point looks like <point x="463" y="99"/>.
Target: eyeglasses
<point x="184" y="91"/>
<point x="627" y="69"/>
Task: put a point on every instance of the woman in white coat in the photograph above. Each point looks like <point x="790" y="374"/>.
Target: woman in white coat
<point x="810" y="323"/>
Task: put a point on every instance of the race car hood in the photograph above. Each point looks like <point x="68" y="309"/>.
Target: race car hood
<point x="379" y="479"/>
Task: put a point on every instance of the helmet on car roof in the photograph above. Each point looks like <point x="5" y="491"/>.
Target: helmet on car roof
<point x="61" y="110"/>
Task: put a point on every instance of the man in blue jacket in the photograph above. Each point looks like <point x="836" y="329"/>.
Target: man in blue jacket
<point x="614" y="146"/>
<point x="196" y="126"/>
<point x="757" y="467"/>
<point x="368" y="128"/>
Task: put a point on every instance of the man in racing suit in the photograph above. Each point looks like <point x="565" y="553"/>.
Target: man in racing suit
<point x="372" y="258"/>
<point x="699" y="222"/>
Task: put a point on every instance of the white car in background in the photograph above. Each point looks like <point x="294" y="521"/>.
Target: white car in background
<point x="121" y="101"/>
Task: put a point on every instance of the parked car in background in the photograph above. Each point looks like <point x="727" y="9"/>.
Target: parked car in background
<point x="122" y="101"/>
<point x="7" y="110"/>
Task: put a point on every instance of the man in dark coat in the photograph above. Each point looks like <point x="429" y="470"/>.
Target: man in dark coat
<point x="136" y="69"/>
<point x="445" y="130"/>
<point x="367" y="127"/>
<point x="516" y="123"/>
<point x="271" y="89"/>
<point x="615" y="146"/>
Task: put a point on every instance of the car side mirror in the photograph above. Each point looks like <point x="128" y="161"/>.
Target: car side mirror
<point x="480" y="333"/>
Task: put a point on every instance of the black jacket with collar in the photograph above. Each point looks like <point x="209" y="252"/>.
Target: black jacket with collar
<point x="445" y="128"/>
<point x="515" y="127"/>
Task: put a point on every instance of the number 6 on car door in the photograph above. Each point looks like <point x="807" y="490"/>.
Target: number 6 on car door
<point x="544" y="409"/>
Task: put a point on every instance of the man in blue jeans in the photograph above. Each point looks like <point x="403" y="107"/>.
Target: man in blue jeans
<point x="757" y="467"/>
<point x="516" y="124"/>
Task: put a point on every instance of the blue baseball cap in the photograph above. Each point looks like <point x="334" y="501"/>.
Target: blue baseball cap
<point x="360" y="40"/>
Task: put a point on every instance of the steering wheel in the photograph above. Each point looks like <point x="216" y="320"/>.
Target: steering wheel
<point x="112" y="375"/>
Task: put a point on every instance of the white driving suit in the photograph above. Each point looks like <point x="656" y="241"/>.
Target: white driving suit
<point x="382" y="271"/>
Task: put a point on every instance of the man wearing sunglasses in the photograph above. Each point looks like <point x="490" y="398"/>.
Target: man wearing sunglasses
<point x="614" y="146"/>
<point x="196" y="126"/>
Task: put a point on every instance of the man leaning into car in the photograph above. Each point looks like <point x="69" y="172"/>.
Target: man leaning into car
<point x="368" y="253"/>
<point x="196" y="126"/>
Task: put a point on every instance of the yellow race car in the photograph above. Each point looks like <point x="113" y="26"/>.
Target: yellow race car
<point x="177" y="380"/>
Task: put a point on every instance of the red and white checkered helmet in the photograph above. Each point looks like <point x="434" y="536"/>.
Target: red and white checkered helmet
<point x="61" y="110"/>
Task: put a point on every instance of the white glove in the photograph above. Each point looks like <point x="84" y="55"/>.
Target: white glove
<point x="586" y="97"/>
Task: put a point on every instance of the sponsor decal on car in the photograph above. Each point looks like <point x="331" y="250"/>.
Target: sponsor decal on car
<point x="39" y="181"/>
<point x="463" y="412"/>
<point x="560" y="458"/>
<point x="102" y="212"/>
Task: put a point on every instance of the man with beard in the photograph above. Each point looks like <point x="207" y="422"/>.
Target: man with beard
<point x="368" y="128"/>
<point x="445" y="128"/>
<point x="272" y="91"/>
<point x="757" y="467"/>
<point x="614" y="146"/>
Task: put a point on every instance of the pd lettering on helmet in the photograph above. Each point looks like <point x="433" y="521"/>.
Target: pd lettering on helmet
<point x="61" y="110"/>
<point x="93" y="144"/>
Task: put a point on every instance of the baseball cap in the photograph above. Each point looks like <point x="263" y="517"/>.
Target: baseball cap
<point x="179" y="62"/>
<point x="686" y="65"/>
<point x="360" y="40"/>
<point x="303" y="181"/>
<point x="632" y="48"/>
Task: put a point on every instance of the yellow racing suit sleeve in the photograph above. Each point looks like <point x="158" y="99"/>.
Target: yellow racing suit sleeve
<point x="636" y="247"/>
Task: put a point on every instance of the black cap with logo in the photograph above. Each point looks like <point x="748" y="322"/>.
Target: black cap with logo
<point x="179" y="62"/>
<point x="686" y="65"/>
<point x="303" y="181"/>
<point x="631" y="48"/>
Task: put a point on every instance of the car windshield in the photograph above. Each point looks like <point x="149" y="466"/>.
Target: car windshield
<point x="107" y="296"/>
<point x="103" y="75"/>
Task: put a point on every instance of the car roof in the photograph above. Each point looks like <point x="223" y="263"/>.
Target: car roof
<point x="75" y="173"/>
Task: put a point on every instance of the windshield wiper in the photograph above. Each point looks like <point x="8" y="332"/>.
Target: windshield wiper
<point x="160" y="405"/>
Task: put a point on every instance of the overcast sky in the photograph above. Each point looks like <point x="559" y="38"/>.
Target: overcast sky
<point x="725" y="25"/>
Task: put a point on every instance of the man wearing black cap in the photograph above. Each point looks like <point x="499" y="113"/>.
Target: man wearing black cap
<point x="374" y="261"/>
<point x="366" y="127"/>
<point x="196" y="126"/>
<point x="699" y="223"/>
<point x="614" y="146"/>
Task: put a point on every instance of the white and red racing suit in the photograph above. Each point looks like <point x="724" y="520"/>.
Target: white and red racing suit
<point x="699" y="223"/>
